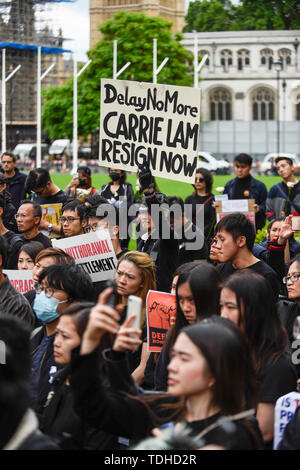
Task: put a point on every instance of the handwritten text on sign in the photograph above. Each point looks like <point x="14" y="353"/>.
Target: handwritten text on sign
<point x="158" y="123"/>
<point x="161" y="312"/>
<point x="93" y="252"/>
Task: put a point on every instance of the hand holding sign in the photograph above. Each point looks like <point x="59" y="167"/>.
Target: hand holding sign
<point x="102" y="319"/>
<point x="145" y="177"/>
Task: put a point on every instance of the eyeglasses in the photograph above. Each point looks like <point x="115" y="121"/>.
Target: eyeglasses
<point x="49" y="291"/>
<point x="21" y="216"/>
<point x="201" y="180"/>
<point x="38" y="193"/>
<point x="293" y="278"/>
<point x="70" y="220"/>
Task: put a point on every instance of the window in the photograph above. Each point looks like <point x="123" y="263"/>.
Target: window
<point x="285" y="55"/>
<point x="220" y="105"/>
<point x="202" y="53"/>
<point x="243" y="58"/>
<point x="267" y="57"/>
<point x="263" y="108"/>
<point x="298" y="107"/>
<point x="226" y="59"/>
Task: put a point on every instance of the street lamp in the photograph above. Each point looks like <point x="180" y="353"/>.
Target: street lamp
<point x="278" y="65"/>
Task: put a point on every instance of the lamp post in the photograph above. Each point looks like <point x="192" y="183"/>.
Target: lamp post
<point x="278" y="67"/>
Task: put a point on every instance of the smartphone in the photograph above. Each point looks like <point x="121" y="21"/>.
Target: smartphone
<point x="113" y="298"/>
<point x="134" y="306"/>
<point x="296" y="223"/>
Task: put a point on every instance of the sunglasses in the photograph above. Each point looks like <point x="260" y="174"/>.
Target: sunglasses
<point x="201" y="180"/>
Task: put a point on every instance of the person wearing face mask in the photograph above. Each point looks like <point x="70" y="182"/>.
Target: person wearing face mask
<point x="60" y="286"/>
<point x="80" y="187"/>
<point x="117" y="192"/>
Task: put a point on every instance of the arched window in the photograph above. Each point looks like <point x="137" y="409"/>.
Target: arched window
<point x="263" y="105"/>
<point x="220" y="105"/>
<point x="266" y="57"/>
<point x="286" y="56"/>
<point x="202" y="53"/>
<point x="226" y="59"/>
<point x="243" y="58"/>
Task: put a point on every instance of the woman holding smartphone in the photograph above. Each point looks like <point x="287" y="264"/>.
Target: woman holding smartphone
<point x="208" y="372"/>
<point x="135" y="275"/>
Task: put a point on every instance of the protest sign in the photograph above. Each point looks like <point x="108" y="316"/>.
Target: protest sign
<point x="156" y="123"/>
<point x="93" y="252"/>
<point x="21" y="279"/>
<point x="161" y="313"/>
<point x="51" y="213"/>
<point x="284" y="411"/>
<point x="245" y="206"/>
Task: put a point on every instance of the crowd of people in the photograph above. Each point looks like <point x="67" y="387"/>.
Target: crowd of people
<point x="78" y="373"/>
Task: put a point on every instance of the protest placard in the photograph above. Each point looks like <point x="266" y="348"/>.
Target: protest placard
<point x="161" y="313"/>
<point x="93" y="252"/>
<point x="156" y="123"/>
<point x="21" y="279"/>
<point x="245" y="206"/>
<point x="285" y="408"/>
<point x="51" y="213"/>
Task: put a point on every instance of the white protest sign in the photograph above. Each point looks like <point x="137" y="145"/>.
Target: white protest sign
<point x="235" y="205"/>
<point x="284" y="411"/>
<point x="93" y="252"/>
<point x="21" y="279"/>
<point x="156" y="123"/>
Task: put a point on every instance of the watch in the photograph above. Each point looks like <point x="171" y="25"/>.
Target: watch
<point x="49" y="228"/>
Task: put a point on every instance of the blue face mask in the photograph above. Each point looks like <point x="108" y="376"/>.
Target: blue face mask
<point x="45" y="307"/>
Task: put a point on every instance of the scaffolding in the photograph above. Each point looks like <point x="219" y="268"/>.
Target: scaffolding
<point x="24" y="26"/>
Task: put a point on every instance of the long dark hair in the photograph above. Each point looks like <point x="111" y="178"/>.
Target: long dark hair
<point x="257" y="309"/>
<point x="208" y="177"/>
<point x="226" y="352"/>
<point x="204" y="281"/>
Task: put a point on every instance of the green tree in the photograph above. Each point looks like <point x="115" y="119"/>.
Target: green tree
<point x="210" y="15"/>
<point x="222" y="15"/>
<point x="135" y="33"/>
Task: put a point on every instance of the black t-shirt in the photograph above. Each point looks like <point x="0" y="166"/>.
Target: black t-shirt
<point x="226" y="269"/>
<point x="277" y="379"/>
<point x="39" y="238"/>
<point x="61" y="196"/>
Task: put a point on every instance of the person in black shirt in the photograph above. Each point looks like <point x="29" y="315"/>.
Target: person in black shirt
<point x="233" y="243"/>
<point x="28" y="217"/>
<point x="247" y="301"/>
<point x="202" y="199"/>
<point x="14" y="241"/>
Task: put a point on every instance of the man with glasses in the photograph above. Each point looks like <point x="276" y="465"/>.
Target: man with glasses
<point x="15" y="180"/>
<point x="28" y="218"/>
<point x="73" y="220"/>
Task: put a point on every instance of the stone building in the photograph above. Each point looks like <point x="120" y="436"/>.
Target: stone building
<point x="247" y="105"/>
<point x="102" y="10"/>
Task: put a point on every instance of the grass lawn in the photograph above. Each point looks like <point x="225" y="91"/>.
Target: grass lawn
<point x="169" y="187"/>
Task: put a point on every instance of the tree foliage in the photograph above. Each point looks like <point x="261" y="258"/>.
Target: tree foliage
<point x="223" y="15"/>
<point x="135" y="33"/>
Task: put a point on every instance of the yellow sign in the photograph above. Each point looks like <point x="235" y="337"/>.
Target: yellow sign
<point x="51" y="213"/>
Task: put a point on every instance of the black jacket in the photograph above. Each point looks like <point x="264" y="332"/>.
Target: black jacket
<point x="60" y="422"/>
<point x="44" y="386"/>
<point x="16" y="187"/>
